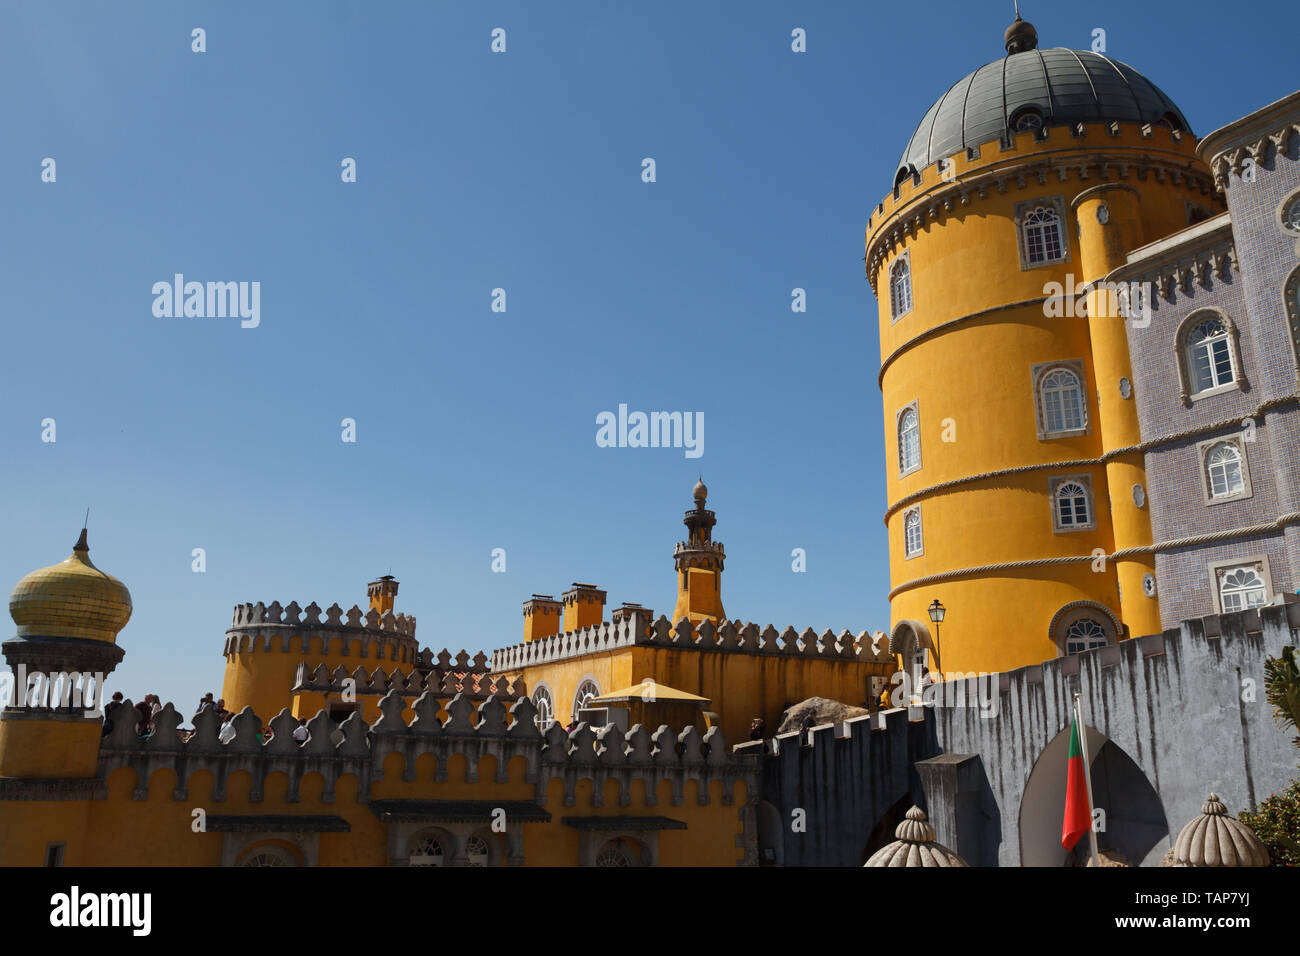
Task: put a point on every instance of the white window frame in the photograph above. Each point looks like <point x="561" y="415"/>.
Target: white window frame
<point x="1055" y="485"/>
<point x="898" y="308"/>
<point x="908" y="551"/>
<point x="1203" y="451"/>
<point x="579" y="698"/>
<point x="1029" y="209"/>
<point x="903" y="468"/>
<point x="542" y="693"/>
<point x="1038" y="377"/>
<point x="1092" y="645"/>
<point x="1219" y="569"/>
<point x="1186" y="373"/>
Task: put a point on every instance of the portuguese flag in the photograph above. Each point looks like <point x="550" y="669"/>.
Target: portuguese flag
<point x="1078" y="814"/>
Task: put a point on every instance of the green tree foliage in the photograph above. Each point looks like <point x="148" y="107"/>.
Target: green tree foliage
<point x="1277" y="824"/>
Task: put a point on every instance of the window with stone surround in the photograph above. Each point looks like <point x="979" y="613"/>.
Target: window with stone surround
<point x="1060" y="401"/>
<point x="1288" y="214"/>
<point x="1240" y="585"/>
<point x="1041" y="225"/>
<point x="900" y="287"/>
<point x="1291" y="304"/>
<point x="1072" y="506"/>
<point x="912" y="542"/>
<point x="1082" y="626"/>
<point x="908" y="424"/>
<point x="1225" y="472"/>
<point x="1209" y="360"/>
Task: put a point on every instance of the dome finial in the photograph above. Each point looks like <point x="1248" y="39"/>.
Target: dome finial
<point x="81" y="544"/>
<point x="1021" y="35"/>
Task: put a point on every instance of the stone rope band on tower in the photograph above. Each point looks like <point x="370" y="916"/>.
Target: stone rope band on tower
<point x="1145" y="446"/>
<point x="1282" y="521"/>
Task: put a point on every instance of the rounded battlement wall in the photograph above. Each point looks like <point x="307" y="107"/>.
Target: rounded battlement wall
<point x="265" y="644"/>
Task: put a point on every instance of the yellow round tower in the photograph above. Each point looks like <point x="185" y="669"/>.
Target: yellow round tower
<point x="1010" y="426"/>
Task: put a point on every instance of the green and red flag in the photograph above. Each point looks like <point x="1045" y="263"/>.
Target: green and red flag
<point x="1078" y="814"/>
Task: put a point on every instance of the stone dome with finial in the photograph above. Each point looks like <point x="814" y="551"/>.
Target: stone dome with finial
<point x="915" y="846"/>
<point x="1032" y="89"/>
<point x="71" y="599"/>
<point x="1217" y="839"/>
<point x="701" y="491"/>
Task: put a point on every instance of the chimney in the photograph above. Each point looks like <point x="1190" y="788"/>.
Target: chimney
<point x="584" y="606"/>
<point x="541" y="617"/>
<point x="628" y="612"/>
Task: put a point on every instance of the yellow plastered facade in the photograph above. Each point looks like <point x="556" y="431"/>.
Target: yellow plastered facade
<point x="983" y="487"/>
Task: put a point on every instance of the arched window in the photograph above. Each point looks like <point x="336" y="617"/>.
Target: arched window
<point x="426" y="849"/>
<point x="1027" y="119"/>
<point x="1084" y="634"/>
<point x="620" y="852"/>
<point x="476" y="851"/>
<point x="912" y="533"/>
<point x="1241" y="588"/>
<point x="1291" y="305"/>
<point x="1072" y="504"/>
<point x="545" y="705"/>
<point x="1082" y="626"/>
<point x="909" y="440"/>
<point x="269" y="856"/>
<point x="900" y="287"/>
<point x="1223" y="467"/>
<point x="587" y="690"/>
<point x="1064" y="407"/>
<point x="1208" y="352"/>
<point x="1043" y="239"/>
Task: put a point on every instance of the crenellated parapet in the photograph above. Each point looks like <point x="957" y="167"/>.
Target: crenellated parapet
<point x="1082" y="155"/>
<point x="728" y="637"/>
<point x="273" y="627"/>
<point x="470" y="730"/>
<point x="442" y="678"/>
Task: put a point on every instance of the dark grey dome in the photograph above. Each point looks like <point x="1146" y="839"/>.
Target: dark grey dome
<point x="1062" y="87"/>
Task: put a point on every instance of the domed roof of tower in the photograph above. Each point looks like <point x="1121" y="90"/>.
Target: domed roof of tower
<point x="701" y="491"/>
<point x="1031" y="88"/>
<point x="71" y="599"/>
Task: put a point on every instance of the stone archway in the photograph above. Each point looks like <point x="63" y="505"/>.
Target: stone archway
<point x="1134" y="816"/>
<point x="910" y="641"/>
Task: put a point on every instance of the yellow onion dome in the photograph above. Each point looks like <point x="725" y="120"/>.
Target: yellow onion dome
<point x="71" y="599"/>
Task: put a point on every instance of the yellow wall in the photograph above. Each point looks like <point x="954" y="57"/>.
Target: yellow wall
<point x="158" y="831"/>
<point x="964" y="260"/>
<point x="741" y="686"/>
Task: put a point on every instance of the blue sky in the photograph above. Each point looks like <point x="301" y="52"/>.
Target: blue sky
<point x="476" y="430"/>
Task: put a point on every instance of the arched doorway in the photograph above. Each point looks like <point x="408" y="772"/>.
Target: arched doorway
<point x="910" y="642"/>
<point x="1133" y="817"/>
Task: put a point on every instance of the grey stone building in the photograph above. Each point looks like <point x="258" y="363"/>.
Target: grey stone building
<point x="1215" y="350"/>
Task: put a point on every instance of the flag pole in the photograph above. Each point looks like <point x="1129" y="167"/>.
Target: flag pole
<point x="1087" y="776"/>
